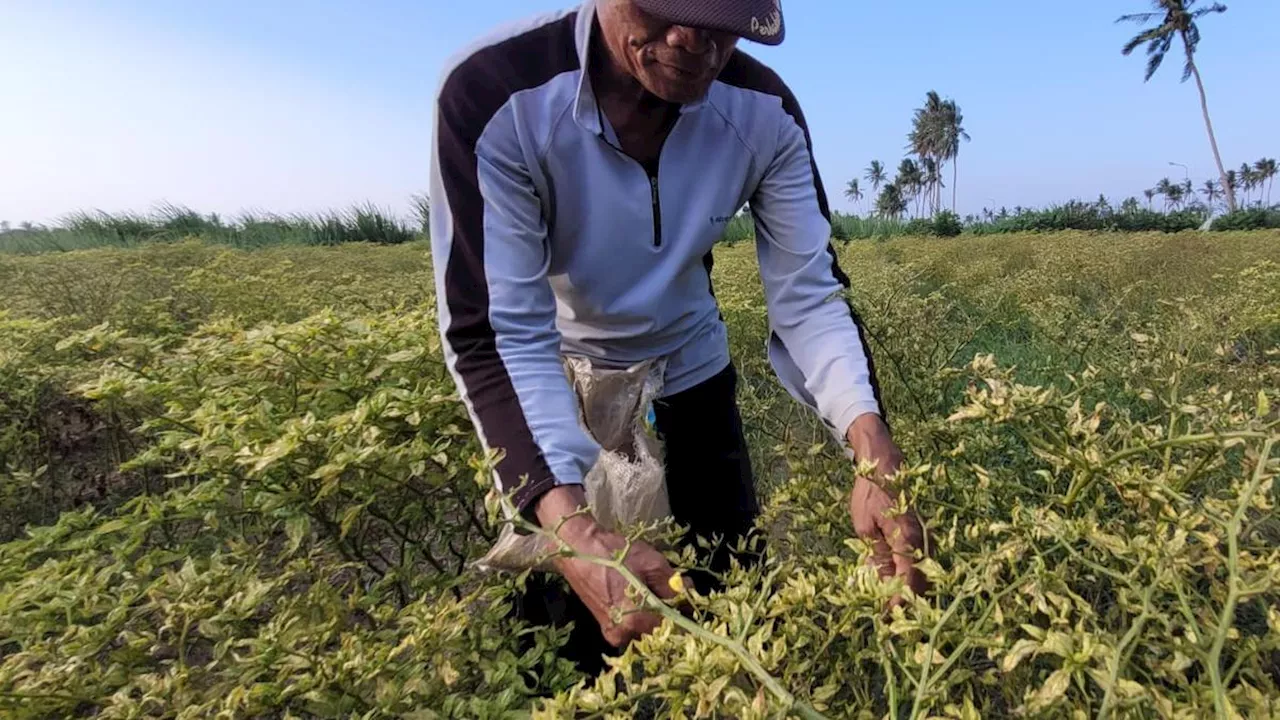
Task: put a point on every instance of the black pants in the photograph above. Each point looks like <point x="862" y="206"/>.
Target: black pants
<point x="711" y="489"/>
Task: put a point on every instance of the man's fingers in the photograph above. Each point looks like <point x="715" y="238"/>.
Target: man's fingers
<point x="660" y="582"/>
<point x="882" y="557"/>
<point x="905" y="535"/>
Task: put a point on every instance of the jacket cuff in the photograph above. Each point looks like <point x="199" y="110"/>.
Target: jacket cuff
<point x="845" y="419"/>
<point x="526" y="498"/>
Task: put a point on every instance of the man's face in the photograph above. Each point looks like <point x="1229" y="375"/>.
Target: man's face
<point x="675" y="62"/>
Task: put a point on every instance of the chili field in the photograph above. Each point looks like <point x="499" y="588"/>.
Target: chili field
<point x="237" y="483"/>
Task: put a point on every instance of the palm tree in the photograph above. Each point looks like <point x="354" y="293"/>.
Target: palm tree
<point x="909" y="179"/>
<point x="875" y="175"/>
<point x="932" y="181"/>
<point x="1265" y="169"/>
<point x="891" y="203"/>
<point x="1150" y="194"/>
<point x="1248" y="181"/>
<point x="1212" y="190"/>
<point x="925" y="138"/>
<point x="1176" y="18"/>
<point x="952" y="124"/>
<point x="1166" y="188"/>
<point x="1233" y="181"/>
<point x="852" y="191"/>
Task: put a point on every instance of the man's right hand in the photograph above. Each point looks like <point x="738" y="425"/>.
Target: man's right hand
<point x="601" y="588"/>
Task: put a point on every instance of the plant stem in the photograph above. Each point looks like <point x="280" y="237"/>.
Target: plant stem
<point x="892" y="684"/>
<point x="1125" y="649"/>
<point x="744" y="657"/>
<point x="650" y="601"/>
<point x="964" y="645"/>
<point x="927" y="665"/>
<point x="1227" y="618"/>
<point x="1085" y="481"/>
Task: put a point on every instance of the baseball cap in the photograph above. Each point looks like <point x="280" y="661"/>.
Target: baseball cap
<point x="758" y="20"/>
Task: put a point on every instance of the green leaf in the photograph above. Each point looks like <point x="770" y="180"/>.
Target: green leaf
<point x="1264" y="404"/>
<point x="348" y="519"/>
<point x="112" y="526"/>
<point x="825" y="693"/>
<point x="297" y="528"/>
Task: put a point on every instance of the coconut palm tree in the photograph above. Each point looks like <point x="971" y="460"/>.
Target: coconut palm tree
<point x="1166" y="188"/>
<point x="909" y="179"/>
<point x="852" y="191"/>
<point x="1248" y="181"/>
<point x="925" y="140"/>
<point x="891" y="203"/>
<point x="876" y="175"/>
<point x="952" y="124"/>
<point x="1212" y="190"/>
<point x="932" y="181"/>
<point x="1265" y="170"/>
<point x="1149" y="194"/>
<point x="1177" y="19"/>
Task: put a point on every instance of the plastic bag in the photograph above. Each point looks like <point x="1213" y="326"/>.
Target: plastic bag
<point x="627" y="484"/>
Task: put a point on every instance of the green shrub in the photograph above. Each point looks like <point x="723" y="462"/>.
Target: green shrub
<point x="946" y="224"/>
<point x="918" y="227"/>
<point x="1250" y="219"/>
<point x="1091" y="217"/>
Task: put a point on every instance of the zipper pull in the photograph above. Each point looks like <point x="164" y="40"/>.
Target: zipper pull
<point x="657" y="212"/>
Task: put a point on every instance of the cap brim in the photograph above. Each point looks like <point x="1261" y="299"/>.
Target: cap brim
<point x="756" y="20"/>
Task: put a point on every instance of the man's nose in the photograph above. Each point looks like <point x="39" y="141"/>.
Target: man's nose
<point x="695" y="41"/>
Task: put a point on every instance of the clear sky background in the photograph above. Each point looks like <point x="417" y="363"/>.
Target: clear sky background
<point x="304" y="105"/>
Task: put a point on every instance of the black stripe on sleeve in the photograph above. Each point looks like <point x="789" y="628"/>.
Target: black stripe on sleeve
<point x="469" y="98"/>
<point x="744" y="71"/>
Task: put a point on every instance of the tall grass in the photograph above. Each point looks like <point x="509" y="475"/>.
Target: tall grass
<point x="171" y="223"/>
<point x="843" y="227"/>
<point x="854" y="227"/>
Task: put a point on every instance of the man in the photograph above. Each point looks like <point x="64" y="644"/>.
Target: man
<point x="584" y="164"/>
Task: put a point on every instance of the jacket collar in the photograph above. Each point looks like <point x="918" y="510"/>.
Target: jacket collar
<point x="586" y="111"/>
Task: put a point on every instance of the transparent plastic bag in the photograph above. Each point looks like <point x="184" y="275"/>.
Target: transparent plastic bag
<point x="627" y="484"/>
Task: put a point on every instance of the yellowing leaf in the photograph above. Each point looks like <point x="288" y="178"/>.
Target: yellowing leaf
<point x="825" y="693"/>
<point x="1057" y="643"/>
<point x="1264" y="404"/>
<point x="1053" y="689"/>
<point x="716" y="687"/>
<point x="349" y="518"/>
<point x="676" y="583"/>
<point x="1020" y="651"/>
<point x="932" y="655"/>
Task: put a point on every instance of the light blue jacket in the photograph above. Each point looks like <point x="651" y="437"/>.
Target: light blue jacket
<point x="548" y="239"/>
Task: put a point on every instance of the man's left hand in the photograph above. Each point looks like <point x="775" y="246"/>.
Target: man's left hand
<point x="895" y="538"/>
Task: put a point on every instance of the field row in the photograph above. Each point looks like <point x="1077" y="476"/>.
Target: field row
<point x="239" y="483"/>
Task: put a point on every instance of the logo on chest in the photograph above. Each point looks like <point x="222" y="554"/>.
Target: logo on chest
<point x="720" y="219"/>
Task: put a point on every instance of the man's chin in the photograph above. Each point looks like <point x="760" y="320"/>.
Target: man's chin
<point x="680" y="93"/>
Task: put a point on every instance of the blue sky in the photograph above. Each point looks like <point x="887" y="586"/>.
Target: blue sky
<point x="293" y="105"/>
